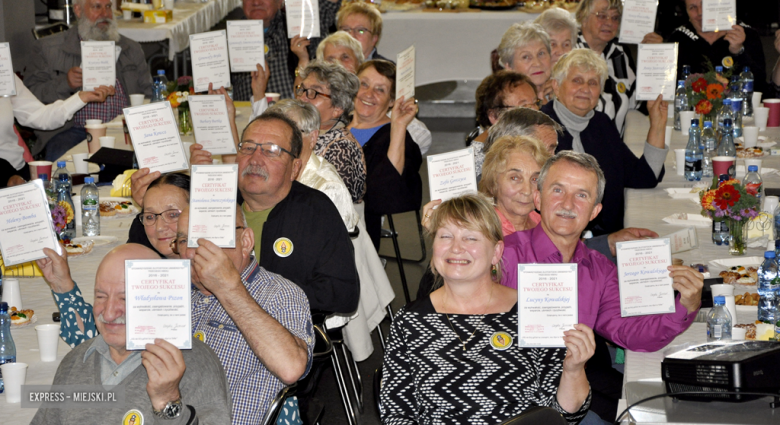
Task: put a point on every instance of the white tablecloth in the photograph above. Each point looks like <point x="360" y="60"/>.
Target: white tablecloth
<point x="188" y="18"/>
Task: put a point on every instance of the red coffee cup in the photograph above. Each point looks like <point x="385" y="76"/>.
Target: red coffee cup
<point x="774" y="112"/>
<point x="724" y="165"/>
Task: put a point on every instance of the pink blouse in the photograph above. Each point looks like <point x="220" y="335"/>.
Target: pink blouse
<point x="508" y="228"/>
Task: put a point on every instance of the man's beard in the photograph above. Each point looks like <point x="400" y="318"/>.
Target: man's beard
<point x="90" y="30"/>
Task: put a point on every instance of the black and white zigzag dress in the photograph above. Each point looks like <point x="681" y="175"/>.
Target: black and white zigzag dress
<point x="429" y="378"/>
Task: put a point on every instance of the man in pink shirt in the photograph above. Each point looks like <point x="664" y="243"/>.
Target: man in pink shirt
<point x="571" y="186"/>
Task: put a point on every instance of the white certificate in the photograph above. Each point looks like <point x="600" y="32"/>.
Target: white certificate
<point x="645" y="285"/>
<point x="718" y="15"/>
<point x="7" y="76"/>
<point x="246" y="45"/>
<point x="157" y="303"/>
<point x="404" y="76"/>
<point x="26" y="225"/>
<point x="155" y="137"/>
<point x="98" y="64"/>
<point x="210" y="62"/>
<point x="452" y="174"/>
<point x="303" y="18"/>
<point x="546" y="303"/>
<point x="638" y="20"/>
<point x="656" y="71"/>
<point x="211" y="124"/>
<point x="213" y="191"/>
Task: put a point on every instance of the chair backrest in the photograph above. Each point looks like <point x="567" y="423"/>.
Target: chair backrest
<point x="377" y="389"/>
<point x="275" y="408"/>
<point x="49" y="30"/>
<point x="537" y="415"/>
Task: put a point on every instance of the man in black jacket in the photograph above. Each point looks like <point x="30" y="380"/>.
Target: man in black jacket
<point x="300" y="234"/>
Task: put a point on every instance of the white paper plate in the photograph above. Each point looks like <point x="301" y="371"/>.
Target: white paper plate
<point x="747" y="308"/>
<point x="688" y="219"/>
<point x="96" y="240"/>
<point x="727" y="263"/>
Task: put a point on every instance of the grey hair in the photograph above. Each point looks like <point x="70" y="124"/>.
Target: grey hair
<point x="342" y="39"/>
<point x="343" y="84"/>
<point x="582" y="59"/>
<point x="556" y="19"/>
<point x="583" y="160"/>
<point x="518" y="35"/>
<point x="586" y="8"/>
<point x="304" y="114"/>
<point x="519" y="122"/>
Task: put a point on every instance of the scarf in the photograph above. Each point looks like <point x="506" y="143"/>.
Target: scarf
<point x="573" y="123"/>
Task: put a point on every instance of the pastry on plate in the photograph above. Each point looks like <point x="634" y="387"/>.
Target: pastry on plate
<point x="20" y="317"/>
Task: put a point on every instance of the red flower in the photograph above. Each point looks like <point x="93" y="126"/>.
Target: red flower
<point x="699" y="85"/>
<point x="726" y="196"/>
<point x="704" y="107"/>
<point x="714" y="91"/>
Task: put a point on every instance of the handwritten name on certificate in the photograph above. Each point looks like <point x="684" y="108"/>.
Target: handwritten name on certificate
<point x="303" y="18"/>
<point x="98" y="64"/>
<point x="656" y="71"/>
<point x="246" y="45"/>
<point x="645" y="285"/>
<point x="718" y="15"/>
<point x="210" y="62"/>
<point x="211" y="124"/>
<point x="7" y="76"/>
<point x="25" y="224"/>
<point x="155" y="137"/>
<point x="546" y="303"/>
<point x="157" y="303"/>
<point x="452" y="174"/>
<point x="213" y="191"/>
<point x="404" y="77"/>
<point x="638" y="20"/>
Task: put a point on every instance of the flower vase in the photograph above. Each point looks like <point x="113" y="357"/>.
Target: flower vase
<point x="185" y="122"/>
<point x="737" y="237"/>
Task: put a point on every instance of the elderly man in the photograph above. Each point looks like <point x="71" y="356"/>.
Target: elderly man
<point x="164" y="382"/>
<point x="282" y="54"/>
<point x="55" y="73"/>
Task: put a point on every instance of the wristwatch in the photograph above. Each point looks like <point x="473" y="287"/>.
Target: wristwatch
<point x="172" y="410"/>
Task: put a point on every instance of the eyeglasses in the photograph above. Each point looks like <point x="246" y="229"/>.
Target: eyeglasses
<point x="604" y="16"/>
<point x="356" y="31"/>
<point x="168" y="216"/>
<point x="310" y="93"/>
<point x="182" y="241"/>
<point x="270" y="150"/>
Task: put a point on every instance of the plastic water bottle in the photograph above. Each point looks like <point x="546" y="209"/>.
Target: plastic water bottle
<point x="725" y="113"/>
<point x="686" y="72"/>
<point x="680" y="103"/>
<point x="48" y="187"/>
<point x="55" y="178"/>
<point x="726" y="146"/>
<point x="160" y="87"/>
<point x="719" y="70"/>
<point x="693" y="153"/>
<point x="746" y="79"/>
<point x="7" y="346"/>
<point x="768" y="286"/>
<point x="709" y="149"/>
<point x="719" y="321"/>
<point x="754" y="184"/>
<point x="720" y="229"/>
<point x="63" y="194"/>
<point x="736" y="111"/>
<point x="90" y="215"/>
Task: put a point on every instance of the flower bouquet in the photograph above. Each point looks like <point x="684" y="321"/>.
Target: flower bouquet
<point x="179" y="99"/>
<point x="62" y="215"/>
<point x="733" y="203"/>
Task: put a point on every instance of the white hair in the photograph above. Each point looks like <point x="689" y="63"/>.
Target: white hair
<point x="583" y="59"/>
<point x="342" y="39"/>
<point x="517" y="36"/>
<point x="555" y="20"/>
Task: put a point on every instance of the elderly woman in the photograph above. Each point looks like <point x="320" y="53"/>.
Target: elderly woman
<point x="331" y="89"/>
<point x="340" y="47"/>
<point x="162" y="199"/>
<point x="364" y="22"/>
<point x="525" y="48"/>
<point x="452" y="330"/>
<point x="392" y="158"/>
<point x="577" y="80"/>
<point x="562" y="30"/>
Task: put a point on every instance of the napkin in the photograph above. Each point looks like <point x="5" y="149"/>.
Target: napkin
<point x="688" y="219"/>
<point x="683" y="193"/>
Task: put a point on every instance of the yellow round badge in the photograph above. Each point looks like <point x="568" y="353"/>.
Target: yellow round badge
<point x="501" y="341"/>
<point x="266" y="49"/>
<point x="200" y="335"/>
<point x="728" y="62"/>
<point x="283" y="247"/>
<point x="133" y="417"/>
<point x="621" y="87"/>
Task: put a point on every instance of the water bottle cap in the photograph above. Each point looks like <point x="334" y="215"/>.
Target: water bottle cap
<point x="719" y="68"/>
<point x="707" y="124"/>
<point x="43" y="176"/>
<point x="3" y="306"/>
<point x="694" y="122"/>
<point x="160" y="72"/>
<point x="61" y="163"/>
<point x="746" y="69"/>
<point x="769" y="254"/>
<point x="752" y="168"/>
<point x="680" y="83"/>
<point x="89" y="180"/>
<point x="720" y="300"/>
<point x="726" y="101"/>
<point x="777" y="243"/>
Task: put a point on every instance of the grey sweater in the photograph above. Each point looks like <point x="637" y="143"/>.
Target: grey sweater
<point x="203" y="386"/>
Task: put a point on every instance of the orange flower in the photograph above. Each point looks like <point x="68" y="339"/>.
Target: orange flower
<point x="704" y="107"/>
<point x="173" y="99"/>
<point x="706" y="200"/>
<point x="714" y="91"/>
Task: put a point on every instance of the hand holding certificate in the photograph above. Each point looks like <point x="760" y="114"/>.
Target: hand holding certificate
<point x="7" y="77"/>
<point x="246" y="45"/>
<point x="718" y="15"/>
<point x="643" y="277"/>
<point x="210" y="64"/>
<point x="638" y="20"/>
<point x="98" y="64"/>
<point x="547" y="303"/>
<point x="157" y="303"/>
<point x="303" y="18"/>
<point x="211" y="124"/>
<point x="404" y="76"/>
<point x="26" y="225"/>
<point x="155" y="137"/>
<point x="213" y="191"/>
<point x="452" y="174"/>
<point x="656" y="70"/>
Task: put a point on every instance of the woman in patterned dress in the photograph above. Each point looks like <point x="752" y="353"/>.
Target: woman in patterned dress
<point x="453" y="357"/>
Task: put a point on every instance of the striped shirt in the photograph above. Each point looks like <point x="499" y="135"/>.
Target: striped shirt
<point x="105" y="111"/>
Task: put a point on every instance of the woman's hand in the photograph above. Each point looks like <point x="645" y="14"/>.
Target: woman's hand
<point x="658" y="109"/>
<point x="260" y="82"/>
<point x="231" y="108"/>
<point x="200" y="156"/>
<point x="736" y="39"/>
<point x="428" y="212"/>
<point x="139" y="182"/>
<point x="404" y="112"/>
<point x="299" y="45"/>
<point x="546" y="91"/>
<point x="652" y="38"/>
<point x="580" y="344"/>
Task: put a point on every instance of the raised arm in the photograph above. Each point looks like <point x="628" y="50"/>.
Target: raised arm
<point x="403" y="114"/>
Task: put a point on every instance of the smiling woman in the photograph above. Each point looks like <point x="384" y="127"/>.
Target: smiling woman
<point x="155" y="226"/>
<point x="525" y="48"/>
